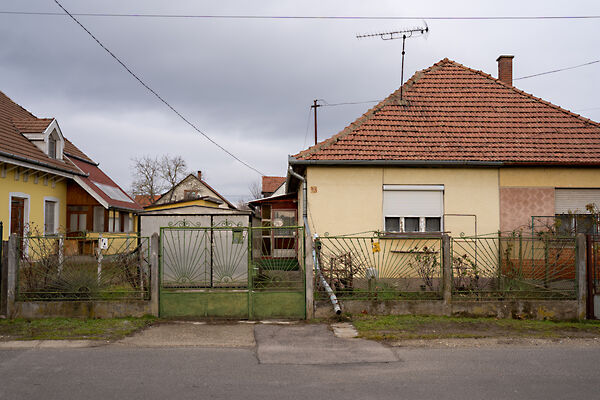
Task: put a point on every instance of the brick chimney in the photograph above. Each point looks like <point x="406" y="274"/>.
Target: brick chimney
<point x="200" y="175"/>
<point x="505" y="69"/>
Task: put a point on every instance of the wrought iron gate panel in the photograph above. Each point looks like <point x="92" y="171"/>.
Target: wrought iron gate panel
<point x="225" y="271"/>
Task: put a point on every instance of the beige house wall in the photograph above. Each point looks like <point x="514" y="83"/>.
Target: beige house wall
<point x="343" y="200"/>
<point x="550" y="177"/>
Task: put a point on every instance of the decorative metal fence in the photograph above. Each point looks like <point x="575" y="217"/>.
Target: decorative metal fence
<point x="514" y="266"/>
<point x="381" y="266"/>
<point x="83" y="268"/>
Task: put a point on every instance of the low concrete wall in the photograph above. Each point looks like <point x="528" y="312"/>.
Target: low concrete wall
<point x="82" y="309"/>
<point x="529" y="309"/>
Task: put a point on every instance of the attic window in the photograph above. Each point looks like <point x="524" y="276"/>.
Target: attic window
<point x="51" y="147"/>
<point x="191" y="194"/>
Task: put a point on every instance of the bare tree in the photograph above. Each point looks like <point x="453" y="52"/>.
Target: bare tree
<point x="147" y="178"/>
<point x="172" y="170"/>
<point x="255" y="189"/>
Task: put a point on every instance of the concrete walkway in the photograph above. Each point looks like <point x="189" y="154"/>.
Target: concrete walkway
<point x="315" y="344"/>
<point x="193" y="334"/>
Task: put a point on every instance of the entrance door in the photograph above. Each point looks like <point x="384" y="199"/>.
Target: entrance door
<point x="17" y="215"/>
<point x="17" y="218"/>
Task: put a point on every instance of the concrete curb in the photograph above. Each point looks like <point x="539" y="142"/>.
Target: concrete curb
<point x="51" y="344"/>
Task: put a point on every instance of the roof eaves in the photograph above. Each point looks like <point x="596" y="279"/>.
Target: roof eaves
<point x="294" y="161"/>
<point x="42" y="164"/>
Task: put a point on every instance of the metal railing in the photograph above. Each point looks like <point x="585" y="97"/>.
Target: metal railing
<point x="109" y="267"/>
<point x="514" y="266"/>
<point x="381" y="266"/>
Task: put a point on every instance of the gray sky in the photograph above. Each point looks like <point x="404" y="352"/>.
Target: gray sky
<point x="249" y="83"/>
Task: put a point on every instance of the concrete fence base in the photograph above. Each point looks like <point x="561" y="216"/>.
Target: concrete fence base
<point x="527" y="309"/>
<point x="81" y="309"/>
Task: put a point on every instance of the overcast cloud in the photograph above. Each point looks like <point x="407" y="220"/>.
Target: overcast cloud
<point x="249" y="83"/>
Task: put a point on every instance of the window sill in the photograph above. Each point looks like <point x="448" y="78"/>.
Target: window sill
<point x="404" y="235"/>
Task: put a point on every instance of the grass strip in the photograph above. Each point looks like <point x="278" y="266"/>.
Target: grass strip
<point x="71" y="328"/>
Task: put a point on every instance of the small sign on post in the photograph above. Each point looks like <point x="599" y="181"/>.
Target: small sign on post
<point x="103" y="243"/>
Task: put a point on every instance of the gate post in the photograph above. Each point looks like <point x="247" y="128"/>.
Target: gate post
<point x="580" y="274"/>
<point x="446" y="274"/>
<point x="308" y="271"/>
<point x="11" y="278"/>
<point x="154" y="274"/>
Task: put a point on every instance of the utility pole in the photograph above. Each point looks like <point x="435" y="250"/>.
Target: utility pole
<point x="315" y="106"/>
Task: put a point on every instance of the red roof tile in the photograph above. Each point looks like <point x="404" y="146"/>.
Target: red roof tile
<point x="14" y="121"/>
<point x="271" y="183"/>
<point x="451" y="113"/>
<point x="95" y="177"/>
<point x="144" y="199"/>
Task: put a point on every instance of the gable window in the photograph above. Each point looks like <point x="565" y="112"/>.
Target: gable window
<point x="51" y="147"/>
<point x="413" y="208"/>
<point x="191" y="194"/>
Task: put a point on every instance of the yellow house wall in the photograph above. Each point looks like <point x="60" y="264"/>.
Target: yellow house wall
<point x="36" y="192"/>
<point x="550" y="177"/>
<point x="343" y="200"/>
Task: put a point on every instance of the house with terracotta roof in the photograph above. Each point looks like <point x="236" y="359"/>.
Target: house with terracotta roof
<point x="273" y="185"/>
<point x="454" y="150"/>
<point x="51" y="186"/>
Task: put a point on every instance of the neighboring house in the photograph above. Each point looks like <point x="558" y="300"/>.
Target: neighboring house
<point x="49" y="185"/>
<point x="191" y="191"/>
<point x="145" y="200"/>
<point x="458" y="151"/>
<point x="277" y="209"/>
<point x="273" y="185"/>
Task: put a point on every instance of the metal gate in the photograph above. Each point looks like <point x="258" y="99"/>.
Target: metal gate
<point x="232" y="272"/>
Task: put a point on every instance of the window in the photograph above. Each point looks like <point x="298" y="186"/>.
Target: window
<point x="413" y="208"/>
<point x="77" y="218"/>
<point x="571" y="224"/>
<point x="51" y="147"/>
<point x="114" y="223"/>
<point x="126" y="225"/>
<point x="98" y="219"/>
<point x="50" y="217"/>
<point x="191" y="194"/>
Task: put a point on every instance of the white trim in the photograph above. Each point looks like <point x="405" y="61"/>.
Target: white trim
<point x="414" y="187"/>
<point x="48" y="170"/>
<point x="91" y="192"/>
<point x="26" y="210"/>
<point x="60" y="142"/>
<point x="56" y="212"/>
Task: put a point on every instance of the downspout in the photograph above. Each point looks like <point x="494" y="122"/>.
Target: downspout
<point x="332" y="296"/>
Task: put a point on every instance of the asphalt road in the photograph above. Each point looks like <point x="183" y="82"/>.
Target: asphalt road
<point x="114" y="372"/>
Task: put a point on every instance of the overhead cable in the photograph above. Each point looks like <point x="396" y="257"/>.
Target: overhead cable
<point x="156" y="94"/>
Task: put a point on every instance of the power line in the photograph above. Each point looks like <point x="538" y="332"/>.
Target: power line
<point x="557" y="70"/>
<point x="309" y="17"/>
<point x="326" y="104"/>
<point x="156" y="94"/>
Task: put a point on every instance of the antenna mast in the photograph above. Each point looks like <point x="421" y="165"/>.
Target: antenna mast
<point x="400" y="34"/>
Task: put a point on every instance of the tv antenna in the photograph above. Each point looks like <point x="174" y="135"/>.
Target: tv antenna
<point x="400" y="34"/>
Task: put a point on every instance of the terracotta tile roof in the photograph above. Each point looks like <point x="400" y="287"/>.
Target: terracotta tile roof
<point x="451" y="113"/>
<point x="144" y="199"/>
<point x="14" y="121"/>
<point x="95" y="177"/>
<point x="271" y="183"/>
<point x="72" y="150"/>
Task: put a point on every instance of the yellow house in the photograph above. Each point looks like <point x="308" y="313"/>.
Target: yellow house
<point x="48" y="185"/>
<point x="191" y="191"/>
<point x="454" y="150"/>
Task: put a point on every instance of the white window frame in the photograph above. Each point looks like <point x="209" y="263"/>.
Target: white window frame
<point x="56" y="202"/>
<point x="422" y="218"/>
<point x="26" y="210"/>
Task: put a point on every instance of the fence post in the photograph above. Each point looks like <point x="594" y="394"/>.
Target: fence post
<point x="446" y="273"/>
<point x="3" y="278"/>
<point x="154" y="274"/>
<point x="580" y="274"/>
<point x="11" y="278"/>
<point x="309" y="280"/>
